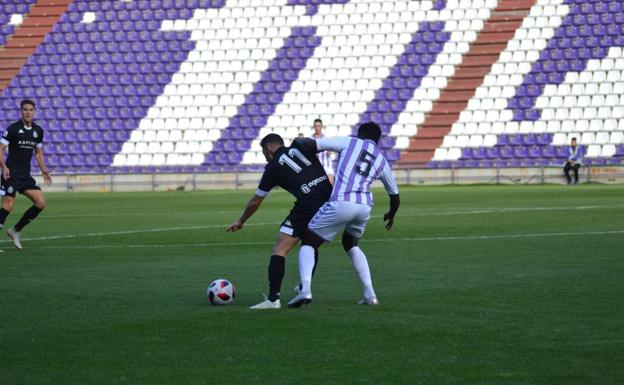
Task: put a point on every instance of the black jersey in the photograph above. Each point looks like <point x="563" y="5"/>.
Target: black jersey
<point x="299" y="172"/>
<point x="22" y="142"/>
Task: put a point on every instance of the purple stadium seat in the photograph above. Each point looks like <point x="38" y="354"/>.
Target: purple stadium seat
<point x="506" y="152"/>
<point x="521" y="152"/>
<point x="466" y="153"/>
<point x="563" y="152"/>
<point x="534" y="152"/>
<point x="493" y="153"/>
<point x="549" y="152"/>
<point x="515" y="140"/>
<point x="479" y="153"/>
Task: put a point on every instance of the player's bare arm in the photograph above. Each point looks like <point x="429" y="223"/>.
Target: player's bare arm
<point x="250" y="209"/>
<point x="395" y="202"/>
<point x="47" y="179"/>
<point x="5" y="170"/>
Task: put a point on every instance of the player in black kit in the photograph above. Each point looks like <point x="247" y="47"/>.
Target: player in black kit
<point x="23" y="138"/>
<point x="299" y="172"/>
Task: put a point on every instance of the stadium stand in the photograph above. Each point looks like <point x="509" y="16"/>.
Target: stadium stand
<point x="192" y="85"/>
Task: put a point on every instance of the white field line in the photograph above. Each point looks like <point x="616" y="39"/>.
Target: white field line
<point x="127" y="232"/>
<point x="421" y="214"/>
<point x="223" y="226"/>
<point x="416" y="239"/>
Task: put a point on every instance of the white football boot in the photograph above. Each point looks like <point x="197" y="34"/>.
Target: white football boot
<point x="369" y="301"/>
<point x="266" y="304"/>
<point x="15" y="236"/>
<point x="300" y="299"/>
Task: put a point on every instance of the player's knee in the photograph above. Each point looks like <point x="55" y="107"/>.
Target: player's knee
<point x="40" y="204"/>
<point x="311" y="239"/>
<point x="8" y="205"/>
<point x="281" y="250"/>
<point x="348" y="241"/>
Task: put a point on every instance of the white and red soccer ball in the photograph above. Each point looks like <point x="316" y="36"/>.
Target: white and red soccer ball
<point x="221" y="292"/>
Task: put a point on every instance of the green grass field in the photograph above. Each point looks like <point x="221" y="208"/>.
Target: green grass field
<point x="478" y="285"/>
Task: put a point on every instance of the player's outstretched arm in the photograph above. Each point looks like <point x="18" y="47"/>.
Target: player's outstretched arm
<point x="250" y="209"/>
<point x="6" y="174"/>
<point x="395" y="202"/>
<point x="47" y="179"/>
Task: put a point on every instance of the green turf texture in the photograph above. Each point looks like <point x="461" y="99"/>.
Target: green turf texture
<point x="477" y="285"/>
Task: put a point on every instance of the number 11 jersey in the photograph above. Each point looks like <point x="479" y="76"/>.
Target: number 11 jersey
<point x="299" y="172"/>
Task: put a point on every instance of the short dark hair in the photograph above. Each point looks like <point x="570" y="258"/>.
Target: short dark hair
<point x="317" y="120"/>
<point x="369" y="130"/>
<point x="27" y="101"/>
<point x="271" y="138"/>
<point x="573" y="139"/>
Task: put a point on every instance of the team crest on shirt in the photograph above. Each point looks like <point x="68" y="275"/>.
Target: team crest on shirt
<point x="10" y="190"/>
<point x="35" y="134"/>
<point x="20" y="131"/>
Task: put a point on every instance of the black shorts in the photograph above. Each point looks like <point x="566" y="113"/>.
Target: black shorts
<point x="17" y="184"/>
<point x="296" y="223"/>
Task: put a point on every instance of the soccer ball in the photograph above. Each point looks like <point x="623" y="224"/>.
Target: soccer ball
<point x="221" y="292"/>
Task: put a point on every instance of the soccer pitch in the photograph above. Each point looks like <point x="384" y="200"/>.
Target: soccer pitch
<point x="477" y="285"/>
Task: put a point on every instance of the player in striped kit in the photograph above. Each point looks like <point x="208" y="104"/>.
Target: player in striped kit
<point x="360" y="163"/>
<point x="325" y="157"/>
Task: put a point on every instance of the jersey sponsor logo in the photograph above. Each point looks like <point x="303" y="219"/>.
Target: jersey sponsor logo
<point x="306" y="188"/>
<point x="27" y="144"/>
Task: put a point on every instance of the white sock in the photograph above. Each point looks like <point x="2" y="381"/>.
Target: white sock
<point x="360" y="263"/>
<point x="306" y="265"/>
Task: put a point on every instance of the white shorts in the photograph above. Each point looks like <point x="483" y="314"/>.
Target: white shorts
<point x="334" y="216"/>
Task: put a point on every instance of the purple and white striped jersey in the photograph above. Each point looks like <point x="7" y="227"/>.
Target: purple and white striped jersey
<point x="360" y="163"/>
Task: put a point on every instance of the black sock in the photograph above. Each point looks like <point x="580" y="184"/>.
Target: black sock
<point x="276" y="275"/>
<point x="28" y="216"/>
<point x="3" y="216"/>
<point x="316" y="255"/>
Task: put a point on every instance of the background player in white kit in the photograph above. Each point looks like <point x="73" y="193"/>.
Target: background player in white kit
<point x="360" y="163"/>
<point x="325" y="157"/>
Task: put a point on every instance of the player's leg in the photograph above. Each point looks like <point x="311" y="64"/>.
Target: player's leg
<point x="310" y="244"/>
<point x="7" y="206"/>
<point x="576" y="173"/>
<point x="566" y="171"/>
<point x="360" y="264"/>
<point x="39" y="203"/>
<point x="8" y="199"/>
<point x="323" y="227"/>
<point x="353" y="232"/>
<point x="283" y="245"/>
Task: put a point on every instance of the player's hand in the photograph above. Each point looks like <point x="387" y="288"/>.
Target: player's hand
<point x="389" y="219"/>
<point x="234" y="227"/>
<point x="6" y="173"/>
<point x="47" y="179"/>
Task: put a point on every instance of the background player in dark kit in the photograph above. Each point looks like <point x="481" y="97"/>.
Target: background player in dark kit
<point x="23" y="138"/>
